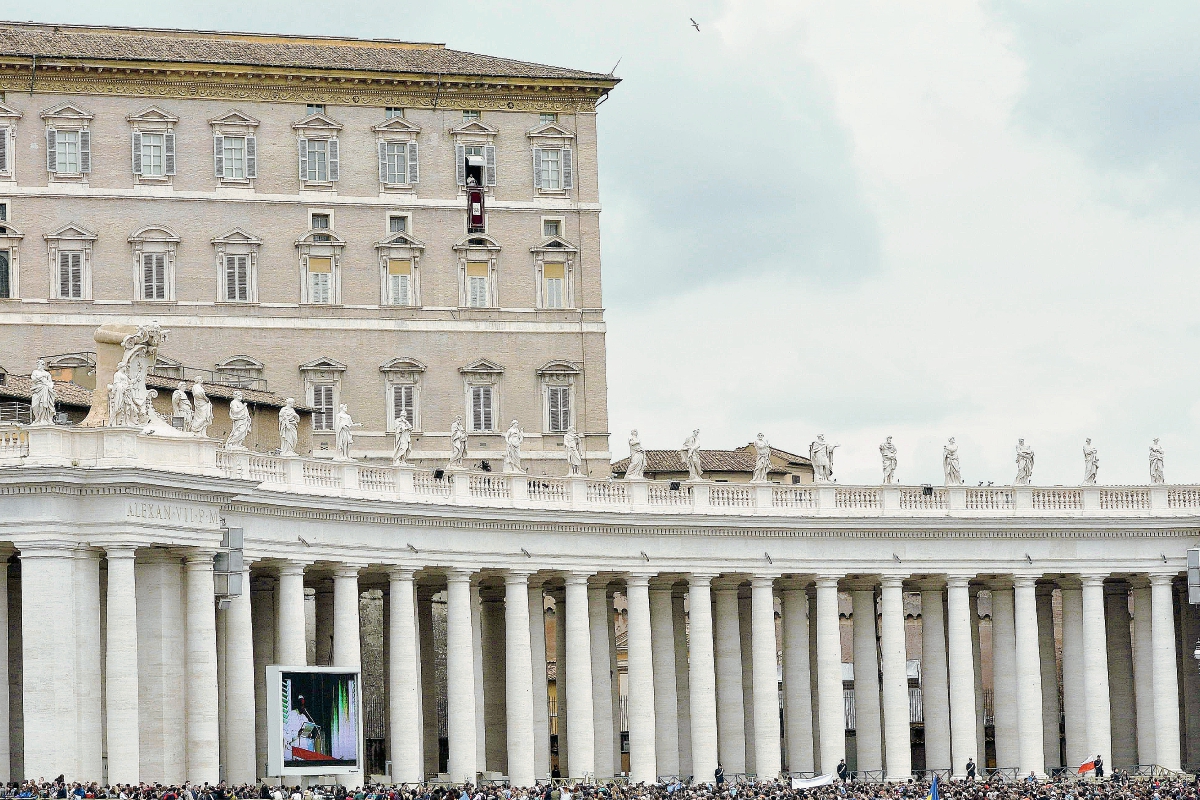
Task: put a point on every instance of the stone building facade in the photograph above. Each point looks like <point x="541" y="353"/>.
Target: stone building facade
<point x="299" y="206"/>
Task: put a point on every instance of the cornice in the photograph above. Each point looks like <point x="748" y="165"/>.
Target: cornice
<point x="278" y="85"/>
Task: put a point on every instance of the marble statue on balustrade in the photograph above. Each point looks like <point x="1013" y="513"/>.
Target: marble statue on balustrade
<point x="128" y="403"/>
<point x="181" y="406"/>
<point x="820" y="453"/>
<point x="202" y="414"/>
<point x="573" y="445"/>
<point x="762" y="459"/>
<point x="403" y="442"/>
<point x="888" y="452"/>
<point x="239" y="415"/>
<point x="42" y="395"/>
<point x="458" y="443"/>
<point x="343" y="433"/>
<point x="637" y="458"/>
<point x="690" y="453"/>
<point x="513" y="438"/>
<point x="121" y="408"/>
<point x="1091" y="463"/>
<point x="1156" y="463"/>
<point x="289" y="424"/>
<point x="1024" y="464"/>
<point x="950" y="464"/>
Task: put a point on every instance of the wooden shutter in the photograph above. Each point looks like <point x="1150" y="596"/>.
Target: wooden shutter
<point x="154" y="276"/>
<point x="303" y="159"/>
<point x="6" y="289"/>
<point x="460" y="165"/>
<point x="5" y="133"/>
<point x="219" y="155"/>
<point x="402" y="404"/>
<point x="168" y="153"/>
<point x="568" y="168"/>
<point x="489" y="159"/>
<point x="51" y="152"/>
<point x="537" y="168"/>
<point x="148" y="276"/>
<point x="231" y="278"/>
<point x="85" y="152"/>
<point x="383" y="162"/>
<point x="414" y="171"/>
<point x="64" y="274"/>
<point x="332" y="156"/>
<point x="481" y="408"/>
<point x="559" y="412"/>
<point x="243" y="277"/>
<point x="137" y="152"/>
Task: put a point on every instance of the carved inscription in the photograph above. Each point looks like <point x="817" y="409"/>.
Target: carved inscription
<point x="176" y="515"/>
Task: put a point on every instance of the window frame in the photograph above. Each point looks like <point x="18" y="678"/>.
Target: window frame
<point x="236" y="242"/>
<point x="320" y="243"/>
<point x="318" y="127"/>
<point x="478" y="248"/>
<point x="407" y="373"/>
<point x="8" y="141"/>
<point x="68" y="118"/>
<point x="554" y="250"/>
<point x="319" y="423"/>
<point x="154" y="240"/>
<point x="482" y="374"/>
<point x="152" y="121"/>
<point x="235" y="125"/>
<point x="70" y="238"/>
<point x="559" y="376"/>
<point x="403" y="247"/>
<point x="10" y="241"/>
<point x="320" y="372"/>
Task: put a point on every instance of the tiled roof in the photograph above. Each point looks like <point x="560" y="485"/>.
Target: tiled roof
<point x="254" y="397"/>
<point x="264" y="50"/>
<point x="72" y="394"/>
<point x="741" y="460"/>
<point x="19" y="387"/>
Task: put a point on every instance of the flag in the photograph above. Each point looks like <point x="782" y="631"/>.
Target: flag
<point x="1086" y="766"/>
<point x="933" y="790"/>
<point x="810" y="783"/>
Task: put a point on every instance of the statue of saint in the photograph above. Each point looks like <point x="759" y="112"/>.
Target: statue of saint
<point x="762" y="459"/>
<point x="42" y="395"/>
<point x="202" y="416"/>
<point x="239" y="415"/>
<point x="180" y="405"/>
<point x="512" y="448"/>
<point x="573" y="445"/>
<point x="343" y="432"/>
<point x="120" y="400"/>
<point x="1024" y="464"/>
<point x="1091" y="463"/>
<point x="950" y="464"/>
<point x="690" y="453"/>
<point x="888" y="452"/>
<point x="637" y="458"/>
<point x="820" y="454"/>
<point x="289" y="421"/>
<point x="1156" y="463"/>
<point x="403" y="444"/>
<point x="458" y="443"/>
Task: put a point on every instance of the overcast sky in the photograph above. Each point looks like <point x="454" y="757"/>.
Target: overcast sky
<point x="916" y="219"/>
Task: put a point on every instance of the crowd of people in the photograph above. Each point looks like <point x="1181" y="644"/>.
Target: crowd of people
<point x="1120" y="786"/>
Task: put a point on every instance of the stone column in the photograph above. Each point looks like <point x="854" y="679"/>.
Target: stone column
<point x="1074" y="688"/>
<point x="614" y="697"/>
<point x="262" y="609"/>
<point x="579" y="678"/>
<point x="1120" y="666"/>
<point x="977" y="666"/>
<point x="598" y="602"/>
<point x="868" y="733"/>
<point x="1031" y="756"/>
<point x="429" y="695"/>
<point x="404" y="686"/>
<point x="203" y="735"/>
<point x="239" y="752"/>
<point x="1143" y="670"/>
<point x="935" y="689"/>
<point x="963" y="743"/>
<point x="1095" y="671"/>
<point x="6" y="737"/>
<point x="897" y="738"/>
<point x="560" y="676"/>
<point x="683" y="693"/>
<point x="347" y="651"/>
<point x="666" y="700"/>
<point x="293" y="643"/>
<point x="493" y="641"/>
<point x="541" y="691"/>
<point x="1166" y="680"/>
<point x="88" y="666"/>
<point x="1051" y="738"/>
<point x="481" y="737"/>
<point x="1190" y="690"/>
<point x="731" y="723"/>
<point x="460" y="677"/>
<point x="323" y="623"/>
<point x="121" y="674"/>
<point x="518" y="674"/>
<point x="765" y="672"/>
<point x="829" y="675"/>
<point x="1004" y="677"/>
<point x="797" y="681"/>
<point x="702" y="679"/>
<point x="643" y="764"/>
<point x="746" y="648"/>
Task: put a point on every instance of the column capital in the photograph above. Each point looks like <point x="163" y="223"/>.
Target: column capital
<point x="662" y="585"/>
<point x="199" y="558"/>
<point x="700" y="578"/>
<point x="892" y="582"/>
<point x="347" y="570"/>
<point x="1024" y="581"/>
<point x="519" y="576"/>
<point x="399" y="573"/>
<point x="958" y="581"/>
<point x="576" y="578"/>
<point x="727" y="583"/>
<point x="292" y="567"/>
<point x="1161" y="578"/>
<point x="827" y="581"/>
<point x="1093" y="578"/>
<point x="114" y="550"/>
<point x="760" y="580"/>
<point x="638" y="579"/>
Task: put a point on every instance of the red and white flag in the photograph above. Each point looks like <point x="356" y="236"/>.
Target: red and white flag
<point x="1086" y="766"/>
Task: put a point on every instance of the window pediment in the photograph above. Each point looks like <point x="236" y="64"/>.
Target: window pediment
<point x="397" y="125"/>
<point x="153" y="116"/>
<point x="9" y="113"/>
<point x="71" y="231"/>
<point x="317" y="124"/>
<point x="474" y="127"/>
<point x="235" y="120"/>
<point x="323" y="365"/>
<point x="554" y="244"/>
<point x="558" y="368"/>
<point x="7" y="231"/>
<point x="401" y="240"/>
<point x="330" y="238"/>
<point x="154" y="233"/>
<point x="550" y="130"/>
<point x="478" y="241"/>
<point x="67" y="112"/>
<point x="402" y="365"/>
<point x="239" y="362"/>
<point x="482" y="366"/>
<point x="238" y="236"/>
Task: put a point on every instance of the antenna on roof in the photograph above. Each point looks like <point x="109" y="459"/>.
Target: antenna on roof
<point x="614" y="68"/>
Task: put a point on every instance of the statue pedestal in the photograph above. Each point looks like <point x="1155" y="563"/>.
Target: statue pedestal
<point x="405" y="484"/>
<point x="639" y="492"/>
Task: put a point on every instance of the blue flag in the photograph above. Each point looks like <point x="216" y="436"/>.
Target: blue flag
<point x="933" y="792"/>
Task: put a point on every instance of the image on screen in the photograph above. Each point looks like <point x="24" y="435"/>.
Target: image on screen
<point x="319" y="721"/>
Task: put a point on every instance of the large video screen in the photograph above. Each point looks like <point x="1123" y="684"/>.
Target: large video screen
<point x="314" y="721"/>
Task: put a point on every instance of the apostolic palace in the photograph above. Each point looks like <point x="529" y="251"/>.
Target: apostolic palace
<point x="268" y="305"/>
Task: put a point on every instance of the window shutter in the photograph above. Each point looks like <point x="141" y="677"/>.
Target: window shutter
<point x="51" y="155"/>
<point x="303" y="159"/>
<point x="414" y="171"/>
<point x="231" y="278"/>
<point x="333" y="159"/>
<point x="460" y="167"/>
<point x="85" y="152"/>
<point x="243" y="277"/>
<point x="537" y="167"/>
<point x="251" y="157"/>
<point x="5" y="133"/>
<point x="64" y="274"/>
<point x="219" y="156"/>
<point x="169" y="153"/>
<point x="148" y="276"/>
<point x="137" y="152"/>
<point x="383" y="162"/>
<point x="160" y="276"/>
<point x="568" y="169"/>
<point x="489" y="158"/>
<point x="487" y="409"/>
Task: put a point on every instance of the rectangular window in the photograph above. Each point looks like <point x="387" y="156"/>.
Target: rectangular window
<point x="559" y="398"/>
<point x="234" y="157"/>
<point x="320" y="280"/>
<point x="66" y="149"/>
<point x="481" y="408"/>
<point x="6" y="287"/>
<point x="70" y="275"/>
<point x="317" y="160"/>
<point x="555" y="275"/>
<point x="551" y="227"/>
<point x="396" y="162"/>
<point x="543" y="118"/>
<point x="154" y="276"/>
<point x="322" y="417"/>
<point x="399" y="282"/>
<point x="397" y="223"/>
<point x="319" y="222"/>
<point x="552" y="169"/>
<point x="392" y="111"/>
<point x="153" y="149"/>
<point x="403" y="403"/>
<point x="478" y="295"/>
<point x="470" y="115"/>
<point x="314" y="108"/>
<point x="237" y="279"/>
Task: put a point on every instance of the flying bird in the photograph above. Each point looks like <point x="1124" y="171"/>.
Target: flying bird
<point x="695" y="24"/>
